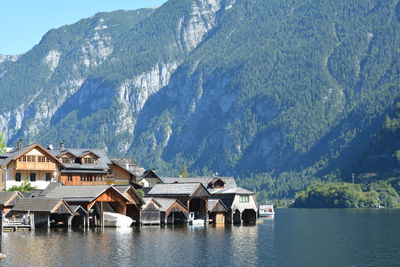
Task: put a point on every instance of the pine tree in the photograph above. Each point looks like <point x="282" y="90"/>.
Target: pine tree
<point x="184" y="171"/>
<point x="2" y="145"/>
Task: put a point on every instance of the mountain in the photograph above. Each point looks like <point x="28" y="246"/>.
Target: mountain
<point x="279" y="92"/>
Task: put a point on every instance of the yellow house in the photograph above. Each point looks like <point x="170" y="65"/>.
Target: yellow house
<point x="32" y="164"/>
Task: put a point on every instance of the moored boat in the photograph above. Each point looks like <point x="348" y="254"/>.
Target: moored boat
<point x="112" y="219"/>
<point x="266" y="211"/>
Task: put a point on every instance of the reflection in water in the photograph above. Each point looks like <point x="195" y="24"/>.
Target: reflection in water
<point x="294" y="238"/>
<point x="244" y="244"/>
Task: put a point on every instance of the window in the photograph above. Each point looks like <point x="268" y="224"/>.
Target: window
<point x="88" y="160"/>
<point x="43" y="159"/>
<point x="33" y="177"/>
<point x="69" y="178"/>
<point x="244" y="199"/>
<point x="48" y="177"/>
<point x="66" y="160"/>
<point x="18" y="177"/>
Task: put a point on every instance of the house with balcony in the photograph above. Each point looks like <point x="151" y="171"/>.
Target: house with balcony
<point x="31" y="163"/>
<point x="92" y="166"/>
<point x="69" y="166"/>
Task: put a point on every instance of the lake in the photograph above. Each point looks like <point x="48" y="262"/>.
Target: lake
<point x="296" y="237"/>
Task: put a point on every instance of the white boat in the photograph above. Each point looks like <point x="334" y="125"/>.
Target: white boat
<point x="267" y="211"/>
<point x="112" y="219"/>
<point x="195" y="222"/>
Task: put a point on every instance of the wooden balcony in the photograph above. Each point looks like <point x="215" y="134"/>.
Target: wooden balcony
<point x="35" y="166"/>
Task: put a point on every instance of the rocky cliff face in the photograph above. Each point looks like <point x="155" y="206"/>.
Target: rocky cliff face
<point x="236" y="87"/>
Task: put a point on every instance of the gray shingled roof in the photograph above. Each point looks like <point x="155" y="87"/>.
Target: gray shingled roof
<point x="174" y="189"/>
<point x="230" y="182"/>
<point x="213" y="202"/>
<point x="75" y="208"/>
<point x="165" y="203"/>
<point x="78" y="152"/>
<point x="36" y="204"/>
<point x="77" y="193"/>
<point x="49" y="188"/>
<point x="237" y="190"/>
<point x="129" y="165"/>
<point x="124" y="188"/>
<point x="5" y="196"/>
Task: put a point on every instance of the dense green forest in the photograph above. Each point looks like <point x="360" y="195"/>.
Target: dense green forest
<point x="376" y="174"/>
<point x="281" y="94"/>
<point x="347" y="195"/>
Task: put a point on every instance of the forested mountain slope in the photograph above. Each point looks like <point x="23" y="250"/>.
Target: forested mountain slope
<point x="278" y="92"/>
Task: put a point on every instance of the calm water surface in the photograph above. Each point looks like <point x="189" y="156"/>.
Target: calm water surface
<point x="296" y="237"/>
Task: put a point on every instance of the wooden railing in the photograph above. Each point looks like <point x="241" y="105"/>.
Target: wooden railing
<point x="35" y="165"/>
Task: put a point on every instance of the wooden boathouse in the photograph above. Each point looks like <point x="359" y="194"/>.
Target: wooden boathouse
<point x="44" y="211"/>
<point x="95" y="199"/>
<point x="134" y="206"/>
<point x="164" y="211"/>
<point x="193" y="195"/>
<point x="8" y="199"/>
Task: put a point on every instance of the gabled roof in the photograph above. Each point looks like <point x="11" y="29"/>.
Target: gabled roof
<point x="122" y="189"/>
<point x="6" y="196"/>
<point x="166" y="203"/>
<point x="82" y="193"/>
<point x="163" y="203"/>
<point x="230" y="182"/>
<point x="147" y="200"/>
<point x="216" y="205"/>
<point x="51" y="205"/>
<point x="150" y="173"/>
<point x="85" y="153"/>
<point x="16" y="153"/>
<point x="176" y="189"/>
<point x="237" y="190"/>
<point x="129" y="165"/>
<point x="33" y="193"/>
<point x="103" y="159"/>
<point x="78" y="208"/>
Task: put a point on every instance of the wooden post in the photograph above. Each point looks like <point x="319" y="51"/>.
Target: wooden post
<point x="70" y="221"/>
<point x="2" y="256"/>
<point x="102" y="214"/>
<point x="32" y="221"/>
<point x="1" y="228"/>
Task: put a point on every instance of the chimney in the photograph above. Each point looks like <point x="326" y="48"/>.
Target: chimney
<point x="62" y="145"/>
<point x="20" y="144"/>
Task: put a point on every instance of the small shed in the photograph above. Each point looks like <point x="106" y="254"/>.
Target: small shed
<point x="217" y="211"/>
<point x="8" y="200"/>
<point x="164" y="211"/>
<point x="46" y="211"/>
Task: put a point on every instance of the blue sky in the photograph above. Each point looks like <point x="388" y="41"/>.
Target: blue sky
<point x="24" y="22"/>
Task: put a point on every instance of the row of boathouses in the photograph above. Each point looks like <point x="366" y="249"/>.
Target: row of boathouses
<point x="85" y="188"/>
